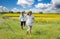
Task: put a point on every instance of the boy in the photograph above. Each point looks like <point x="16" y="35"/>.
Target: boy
<point x="23" y="19"/>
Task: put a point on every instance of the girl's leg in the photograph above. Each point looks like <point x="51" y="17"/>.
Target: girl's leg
<point x="30" y="29"/>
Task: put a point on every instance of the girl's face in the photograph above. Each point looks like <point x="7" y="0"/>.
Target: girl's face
<point x="29" y="14"/>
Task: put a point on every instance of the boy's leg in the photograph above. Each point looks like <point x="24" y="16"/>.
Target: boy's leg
<point x="22" y="25"/>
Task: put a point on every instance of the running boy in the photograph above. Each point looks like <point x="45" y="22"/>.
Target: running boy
<point x="23" y="19"/>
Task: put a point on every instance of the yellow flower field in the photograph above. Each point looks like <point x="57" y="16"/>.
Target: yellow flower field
<point x="38" y="17"/>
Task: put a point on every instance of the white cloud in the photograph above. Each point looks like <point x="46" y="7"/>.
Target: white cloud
<point x="53" y="7"/>
<point x="41" y="5"/>
<point x="51" y="10"/>
<point x="55" y="1"/>
<point x="35" y="10"/>
<point x="25" y="3"/>
<point x="3" y="9"/>
<point x="15" y="10"/>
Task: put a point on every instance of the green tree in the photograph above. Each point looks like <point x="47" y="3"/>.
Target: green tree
<point x="40" y="12"/>
<point x="10" y="11"/>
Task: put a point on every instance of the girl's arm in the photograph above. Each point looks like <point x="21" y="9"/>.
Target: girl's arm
<point x="33" y="19"/>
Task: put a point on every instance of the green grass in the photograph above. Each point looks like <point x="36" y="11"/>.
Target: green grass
<point x="10" y="29"/>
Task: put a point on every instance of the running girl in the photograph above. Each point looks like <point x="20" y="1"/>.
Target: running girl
<point x="29" y="21"/>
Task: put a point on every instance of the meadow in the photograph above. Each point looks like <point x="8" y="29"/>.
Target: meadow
<point x="46" y="26"/>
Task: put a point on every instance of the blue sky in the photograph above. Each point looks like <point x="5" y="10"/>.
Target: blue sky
<point x="13" y="3"/>
<point x="9" y="3"/>
<point x="34" y="5"/>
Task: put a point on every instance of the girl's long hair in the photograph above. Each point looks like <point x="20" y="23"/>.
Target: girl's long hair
<point x="30" y="12"/>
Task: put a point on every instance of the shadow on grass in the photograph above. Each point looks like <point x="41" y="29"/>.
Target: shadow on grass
<point x="58" y="37"/>
<point x="37" y="32"/>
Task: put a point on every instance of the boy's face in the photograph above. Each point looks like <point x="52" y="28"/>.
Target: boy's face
<point x="22" y="13"/>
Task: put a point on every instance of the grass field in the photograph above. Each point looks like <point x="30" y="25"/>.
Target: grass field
<point x="44" y="27"/>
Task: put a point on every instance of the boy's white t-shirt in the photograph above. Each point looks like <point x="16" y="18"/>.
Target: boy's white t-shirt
<point x="29" y="20"/>
<point x="22" y="18"/>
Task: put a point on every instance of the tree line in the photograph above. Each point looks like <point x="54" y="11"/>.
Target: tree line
<point x="20" y="12"/>
<point x="15" y="12"/>
<point x="10" y="12"/>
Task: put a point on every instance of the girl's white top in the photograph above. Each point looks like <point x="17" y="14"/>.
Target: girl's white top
<point x="30" y="20"/>
<point x="22" y="18"/>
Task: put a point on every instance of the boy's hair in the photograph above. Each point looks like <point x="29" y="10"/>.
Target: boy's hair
<point x="23" y="12"/>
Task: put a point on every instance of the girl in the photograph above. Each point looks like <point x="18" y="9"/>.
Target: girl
<point x="23" y="19"/>
<point x="29" y="21"/>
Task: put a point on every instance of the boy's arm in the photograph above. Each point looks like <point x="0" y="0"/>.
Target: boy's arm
<point x="19" y="17"/>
